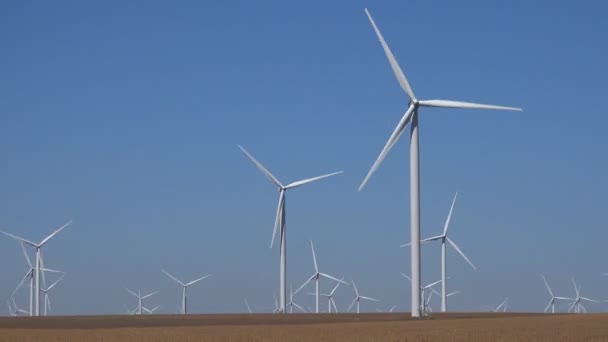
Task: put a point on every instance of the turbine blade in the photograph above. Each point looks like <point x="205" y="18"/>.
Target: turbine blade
<point x="590" y="300"/>
<point x="576" y="289"/>
<point x="405" y="245"/>
<point x="56" y="282"/>
<point x="547" y="285"/>
<point x="406" y="276"/>
<point x="355" y="287"/>
<point x="333" y="303"/>
<point x="461" y="253"/>
<point x="27" y="275"/>
<point x="464" y="105"/>
<point x="131" y="292"/>
<point x="298" y="307"/>
<point x="314" y="257"/>
<point x="19" y="238"/>
<point x="333" y="278"/>
<point x="278" y="221"/>
<point x="262" y="168"/>
<point x="350" y="307"/>
<point x="369" y="298"/>
<point x="391" y="59"/>
<point x="172" y="277"/>
<point x="199" y="279"/>
<point x="248" y="307"/>
<point x="433" y="238"/>
<point x="336" y="287"/>
<point x="27" y="257"/>
<point x="548" y="306"/>
<point x="54" y="233"/>
<point x="447" y="221"/>
<point x="149" y="295"/>
<point x="305" y="283"/>
<point x="390" y="143"/>
<point x="310" y="180"/>
<point x="452" y="293"/>
<point x="432" y="284"/>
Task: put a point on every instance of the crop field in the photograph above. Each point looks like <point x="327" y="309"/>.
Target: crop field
<point x="309" y="327"/>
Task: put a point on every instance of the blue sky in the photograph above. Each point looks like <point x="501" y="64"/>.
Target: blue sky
<point x="126" y="116"/>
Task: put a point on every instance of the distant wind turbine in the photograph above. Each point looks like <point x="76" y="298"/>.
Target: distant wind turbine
<point x="412" y="115"/>
<point x="38" y="266"/>
<point x="358" y="298"/>
<point x="443" y="238"/>
<point x="551" y="303"/>
<point x="47" y="301"/>
<point x="140" y="299"/>
<point x="316" y="277"/>
<point x="247" y="305"/>
<point x="184" y="288"/>
<point x="280" y="222"/>
<point x="575" y="305"/>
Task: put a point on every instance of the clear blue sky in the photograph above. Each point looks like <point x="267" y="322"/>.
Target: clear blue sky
<point x="125" y="116"/>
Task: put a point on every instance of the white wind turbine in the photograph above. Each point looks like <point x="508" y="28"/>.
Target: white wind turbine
<point x="184" y="288"/>
<point x="47" y="301"/>
<point x="330" y="297"/>
<point x="39" y="263"/>
<point x="553" y="299"/>
<point x="412" y="115"/>
<point x="30" y="275"/>
<point x="280" y="222"/>
<point x="291" y="303"/>
<point x="316" y="277"/>
<point x="502" y="306"/>
<point x="444" y="238"/>
<point x="423" y="289"/>
<point x="576" y="305"/>
<point x="358" y="298"/>
<point x="140" y="299"/>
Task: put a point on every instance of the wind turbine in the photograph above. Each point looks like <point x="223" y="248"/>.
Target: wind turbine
<point x="140" y="299"/>
<point x="502" y="306"/>
<point x="412" y="115"/>
<point x="280" y="221"/>
<point x="423" y="289"/>
<point x="316" y="276"/>
<point x="291" y="303"/>
<point x="551" y="303"/>
<point x="443" y="238"/>
<point x="38" y="247"/>
<point x="47" y="301"/>
<point x="330" y="297"/>
<point x="576" y="305"/>
<point x="358" y="298"/>
<point x="184" y="288"/>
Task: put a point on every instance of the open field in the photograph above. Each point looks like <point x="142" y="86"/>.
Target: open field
<point x="310" y="327"/>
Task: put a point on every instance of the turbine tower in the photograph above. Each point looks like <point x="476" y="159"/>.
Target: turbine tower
<point x="184" y="288"/>
<point x="38" y="266"/>
<point x="412" y="115"/>
<point x="280" y="222"/>
<point x="444" y="238"/>
<point x="316" y="277"/>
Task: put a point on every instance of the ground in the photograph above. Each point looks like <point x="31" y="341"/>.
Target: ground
<point x="309" y="327"/>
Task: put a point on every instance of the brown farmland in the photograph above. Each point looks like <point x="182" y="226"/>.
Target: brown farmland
<point x="309" y="327"/>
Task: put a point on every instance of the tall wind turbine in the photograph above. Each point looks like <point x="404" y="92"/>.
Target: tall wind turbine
<point x="443" y="238"/>
<point x="412" y="115"/>
<point x="140" y="299"/>
<point x="38" y="265"/>
<point x="316" y="277"/>
<point x="554" y="298"/>
<point x="280" y="222"/>
<point x="358" y="298"/>
<point x="184" y="288"/>
<point x="576" y="305"/>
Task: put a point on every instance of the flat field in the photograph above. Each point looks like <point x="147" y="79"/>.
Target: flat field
<point x="309" y="327"/>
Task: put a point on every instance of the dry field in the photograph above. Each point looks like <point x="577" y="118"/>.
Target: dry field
<point x="309" y="327"/>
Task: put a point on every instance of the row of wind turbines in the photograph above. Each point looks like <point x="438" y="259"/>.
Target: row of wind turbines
<point x="419" y="298"/>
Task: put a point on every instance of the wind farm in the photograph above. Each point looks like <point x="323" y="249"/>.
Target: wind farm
<point x="138" y="135"/>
